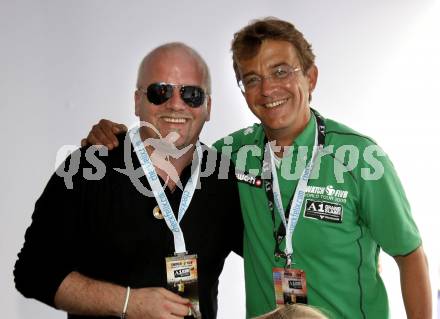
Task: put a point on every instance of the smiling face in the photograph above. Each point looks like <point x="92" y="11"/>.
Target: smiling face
<point x="281" y="106"/>
<point x="177" y="66"/>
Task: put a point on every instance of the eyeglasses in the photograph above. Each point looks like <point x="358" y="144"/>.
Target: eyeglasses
<point x="278" y="75"/>
<point x="159" y="93"/>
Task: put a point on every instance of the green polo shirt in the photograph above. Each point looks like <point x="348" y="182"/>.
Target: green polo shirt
<point x="354" y="205"/>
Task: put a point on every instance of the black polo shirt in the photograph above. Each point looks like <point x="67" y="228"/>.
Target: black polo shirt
<point x="105" y="229"/>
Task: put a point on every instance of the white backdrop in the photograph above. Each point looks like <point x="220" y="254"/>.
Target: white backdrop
<point x="66" y="64"/>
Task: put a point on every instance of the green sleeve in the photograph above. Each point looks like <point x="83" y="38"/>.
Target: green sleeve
<point x="218" y="145"/>
<point x="386" y="211"/>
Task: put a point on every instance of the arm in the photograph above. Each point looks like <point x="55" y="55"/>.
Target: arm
<point x="386" y="211"/>
<point x="414" y="280"/>
<point x="81" y="295"/>
<point x="237" y="226"/>
<point x="49" y="251"/>
<point x="45" y="269"/>
<point x="104" y="133"/>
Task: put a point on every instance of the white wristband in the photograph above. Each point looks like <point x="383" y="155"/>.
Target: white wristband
<point x="124" y="311"/>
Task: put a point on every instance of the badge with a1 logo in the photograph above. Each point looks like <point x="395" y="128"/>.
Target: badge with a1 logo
<point x="182" y="279"/>
<point x="290" y="286"/>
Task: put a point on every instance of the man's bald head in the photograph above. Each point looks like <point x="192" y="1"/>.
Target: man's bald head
<point x="173" y="48"/>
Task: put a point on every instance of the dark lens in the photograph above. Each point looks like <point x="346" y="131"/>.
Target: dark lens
<point x="159" y="93"/>
<point x="194" y="96"/>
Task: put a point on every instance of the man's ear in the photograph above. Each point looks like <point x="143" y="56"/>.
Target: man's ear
<point x="137" y="102"/>
<point x="208" y="108"/>
<point x="312" y="76"/>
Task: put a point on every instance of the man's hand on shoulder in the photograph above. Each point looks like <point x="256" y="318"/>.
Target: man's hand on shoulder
<point x="104" y="133"/>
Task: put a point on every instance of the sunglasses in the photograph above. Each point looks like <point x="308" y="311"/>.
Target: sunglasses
<point x="159" y="93"/>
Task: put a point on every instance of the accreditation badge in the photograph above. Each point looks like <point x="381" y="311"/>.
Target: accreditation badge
<point x="182" y="279"/>
<point x="290" y="286"/>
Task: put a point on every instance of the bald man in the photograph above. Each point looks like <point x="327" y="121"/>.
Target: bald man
<point x="110" y="247"/>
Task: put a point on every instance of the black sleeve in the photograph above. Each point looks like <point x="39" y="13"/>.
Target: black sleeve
<point x="237" y="226"/>
<point x="48" y="253"/>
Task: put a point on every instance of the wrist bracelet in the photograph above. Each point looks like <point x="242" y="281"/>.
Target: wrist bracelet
<point x="124" y="311"/>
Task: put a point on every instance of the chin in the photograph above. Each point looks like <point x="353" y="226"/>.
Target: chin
<point x="182" y="144"/>
<point x="274" y="125"/>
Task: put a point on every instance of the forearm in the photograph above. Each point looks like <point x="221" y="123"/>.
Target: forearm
<point x="415" y="285"/>
<point x="81" y="295"/>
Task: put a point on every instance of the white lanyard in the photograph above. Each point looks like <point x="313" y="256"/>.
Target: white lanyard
<point x="161" y="197"/>
<point x="297" y="201"/>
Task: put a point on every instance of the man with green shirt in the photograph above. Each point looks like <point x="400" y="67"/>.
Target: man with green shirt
<point x="319" y="200"/>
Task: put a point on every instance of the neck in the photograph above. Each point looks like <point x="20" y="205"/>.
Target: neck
<point x="170" y="168"/>
<point x="167" y="160"/>
<point x="286" y="136"/>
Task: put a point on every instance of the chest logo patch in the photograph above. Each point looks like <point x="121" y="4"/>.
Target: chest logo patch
<point x="329" y="212"/>
<point x="249" y="179"/>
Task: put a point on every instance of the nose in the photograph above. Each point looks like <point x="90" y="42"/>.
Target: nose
<point x="267" y="86"/>
<point x="175" y="103"/>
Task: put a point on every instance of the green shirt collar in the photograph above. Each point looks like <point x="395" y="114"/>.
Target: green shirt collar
<point x="306" y="138"/>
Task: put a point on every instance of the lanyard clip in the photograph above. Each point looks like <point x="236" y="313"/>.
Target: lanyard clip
<point x="288" y="261"/>
<point x="180" y="254"/>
